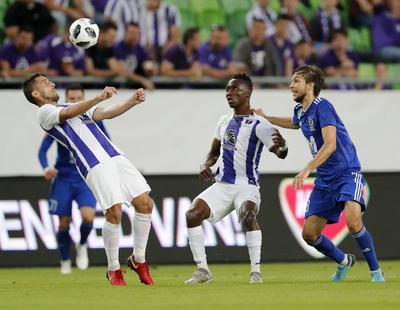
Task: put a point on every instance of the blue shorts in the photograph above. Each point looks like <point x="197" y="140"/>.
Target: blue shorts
<point x="327" y="199"/>
<point x="64" y="191"/>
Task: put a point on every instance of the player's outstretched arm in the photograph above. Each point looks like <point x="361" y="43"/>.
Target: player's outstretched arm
<point x="284" y="122"/>
<point x="115" y="110"/>
<point x="81" y="107"/>
<point x="211" y="159"/>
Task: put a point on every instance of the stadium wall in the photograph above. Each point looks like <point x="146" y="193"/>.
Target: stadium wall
<point x="27" y="232"/>
<point x="172" y="131"/>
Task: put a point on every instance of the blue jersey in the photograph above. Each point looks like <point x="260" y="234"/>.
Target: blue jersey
<point x="65" y="163"/>
<point x="320" y="114"/>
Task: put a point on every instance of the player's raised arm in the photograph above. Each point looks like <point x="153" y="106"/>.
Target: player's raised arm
<point x="81" y="107"/>
<point x="115" y="110"/>
<point x="284" y="122"/>
<point x="211" y="159"/>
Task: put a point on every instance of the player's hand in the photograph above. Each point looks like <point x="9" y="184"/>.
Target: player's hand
<point x="277" y="138"/>
<point x="299" y="179"/>
<point x="206" y="173"/>
<point x="50" y="173"/>
<point x="107" y="93"/>
<point x="138" y="96"/>
<point x="259" y="112"/>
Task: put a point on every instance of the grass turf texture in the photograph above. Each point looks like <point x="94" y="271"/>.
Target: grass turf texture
<point x="286" y="286"/>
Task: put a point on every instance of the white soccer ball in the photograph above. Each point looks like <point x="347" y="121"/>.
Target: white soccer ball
<point x="84" y="32"/>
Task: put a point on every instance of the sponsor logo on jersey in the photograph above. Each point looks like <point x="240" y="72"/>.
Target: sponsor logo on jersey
<point x="294" y="204"/>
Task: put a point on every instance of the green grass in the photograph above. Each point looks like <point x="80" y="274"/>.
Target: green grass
<point x="286" y="286"/>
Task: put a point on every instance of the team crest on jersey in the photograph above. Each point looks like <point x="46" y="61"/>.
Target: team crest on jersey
<point x="311" y="124"/>
<point x="85" y="119"/>
<point x="294" y="204"/>
<point x="229" y="137"/>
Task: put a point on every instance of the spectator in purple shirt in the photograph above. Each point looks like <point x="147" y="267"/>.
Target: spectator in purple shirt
<point x="339" y="52"/>
<point x="63" y="57"/>
<point x="284" y="46"/>
<point x="134" y="57"/>
<point x="386" y="32"/>
<point x="19" y="58"/>
<point x="361" y="12"/>
<point x="257" y="53"/>
<point x="348" y="72"/>
<point x="31" y="13"/>
<point x="326" y="21"/>
<point x="182" y="60"/>
<point x="216" y="57"/>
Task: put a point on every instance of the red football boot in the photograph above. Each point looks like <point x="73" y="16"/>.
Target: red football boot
<point x="142" y="269"/>
<point x="116" y="277"/>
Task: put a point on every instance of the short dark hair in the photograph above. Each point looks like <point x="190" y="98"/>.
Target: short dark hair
<point x="312" y="74"/>
<point x="26" y="28"/>
<point x="74" y="86"/>
<point x="284" y="17"/>
<point x="217" y="27"/>
<point x="244" y="77"/>
<point x="340" y="31"/>
<point x="132" y="24"/>
<point x="107" y="25"/>
<point x="28" y="86"/>
<point x="189" y="34"/>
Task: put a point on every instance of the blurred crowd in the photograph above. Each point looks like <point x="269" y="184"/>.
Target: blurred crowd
<point x="143" y="38"/>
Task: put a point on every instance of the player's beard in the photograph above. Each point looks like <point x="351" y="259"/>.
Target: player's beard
<point x="300" y="98"/>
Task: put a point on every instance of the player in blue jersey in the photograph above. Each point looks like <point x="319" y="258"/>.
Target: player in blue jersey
<point x="339" y="184"/>
<point x="67" y="185"/>
<point x="239" y="140"/>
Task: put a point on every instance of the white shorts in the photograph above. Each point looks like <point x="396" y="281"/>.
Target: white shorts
<point x="223" y="198"/>
<point x="116" y="181"/>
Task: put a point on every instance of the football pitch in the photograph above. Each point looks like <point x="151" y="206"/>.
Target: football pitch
<point x="286" y="286"/>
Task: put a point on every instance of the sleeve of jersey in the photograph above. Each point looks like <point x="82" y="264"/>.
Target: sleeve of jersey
<point x="217" y="134"/>
<point x="44" y="147"/>
<point x="91" y="111"/>
<point x="264" y="132"/>
<point x="326" y="114"/>
<point x="49" y="116"/>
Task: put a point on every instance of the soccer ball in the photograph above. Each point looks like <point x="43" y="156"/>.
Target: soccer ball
<point x="84" y="32"/>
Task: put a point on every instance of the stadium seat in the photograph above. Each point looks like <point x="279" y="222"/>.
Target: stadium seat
<point x="208" y="13"/>
<point x="236" y="11"/>
<point x="394" y="72"/>
<point x="188" y="18"/>
<point x="276" y="5"/>
<point x="360" y="39"/>
<point x="366" y="70"/>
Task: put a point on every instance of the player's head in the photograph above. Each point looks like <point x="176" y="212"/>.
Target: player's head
<point x="306" y="80"/>
<point x="74" y="93"/>
<point x="238" y="90"/>
<point x="39" y="90"/>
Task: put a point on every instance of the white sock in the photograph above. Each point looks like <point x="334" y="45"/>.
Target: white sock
<point x="344" y="261"/>
<point x="196" y="242"/>
<point x="111" y="244"/>
<point x="141" y="229"/>
<point x="254" y="240"/>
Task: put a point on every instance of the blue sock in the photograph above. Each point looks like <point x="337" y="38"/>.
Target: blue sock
<point x="85" y="231"/>
<point x="64" y="242"/>
<point x="366" y="245"/>
<point x="326" y="247"/>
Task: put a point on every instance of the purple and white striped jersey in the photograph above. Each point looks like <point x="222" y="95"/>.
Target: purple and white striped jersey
<point x="80" y="135"/>
<point x="242" y="140"/>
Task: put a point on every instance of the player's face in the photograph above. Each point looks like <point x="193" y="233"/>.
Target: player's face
<point x="75" y="95"/>
<point x="236" y="93"/>
<point x="298" y="86"/>
<point x="45" y="90"/>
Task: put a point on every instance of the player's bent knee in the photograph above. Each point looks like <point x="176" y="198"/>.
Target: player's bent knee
<point x="309" y="237"/>
<point x="143" y="203"/>
<point x="114" y="214"/>
<point x="193" y="219"/>
<point x="354" y="226"/>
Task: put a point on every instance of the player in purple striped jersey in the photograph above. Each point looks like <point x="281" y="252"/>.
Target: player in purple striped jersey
<point x="239" y="140"/>
<point x="109" y="174"/>
<point x="339" y="183"/>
